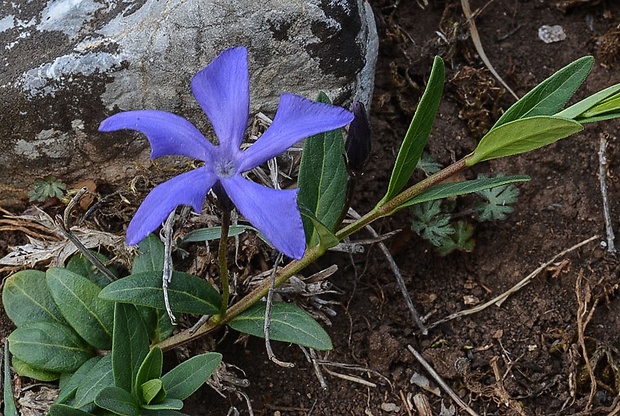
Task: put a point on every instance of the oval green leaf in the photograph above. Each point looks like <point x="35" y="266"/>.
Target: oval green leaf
<point x="27" y="299"/>
<point x="184" y="379"/>
<point x="521" y="136"/>
<point x="289" y="323"/>
<point x="152" y="391"/>
<point x="164" y="408"/>
<point x="118" y="401"/>
<point x="49" y="346"/>
<point x="187" y="293"/>
<point x="79" y="302"/>
<point x="26" y="370"/>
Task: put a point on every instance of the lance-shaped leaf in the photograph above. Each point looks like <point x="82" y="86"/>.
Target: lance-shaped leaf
<point x="10" y="409"/>
<point x="78" y="301"/>
<point x="417" y="135"/>
<point x="26" y="299"/>
<point x="64" y="410"/>
<point x="165" y="407"/>
<point x="447" y="190"/>
<point x="323" y="179"/>
<point x="69" y="383"/>
<point x="130" y="346"/>
<point x="95" y="380"/>
<point x="603" y="105"/>
<point x="184" y="379"/>
<point x="289" y="323"/>
<point x="548" y="97"/>
<point x="325" y="237"/>
<point x="187" y="293"/>
<point x="117" y="401"/>
<point x="214" y="233"/>
<point x="150" y="369"/>
<point x="521" y="136"/>
<point x="151" y="259"/>
<point x="49" y="346"/>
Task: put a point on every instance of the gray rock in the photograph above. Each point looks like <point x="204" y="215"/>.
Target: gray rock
<point x="68" y="64"/>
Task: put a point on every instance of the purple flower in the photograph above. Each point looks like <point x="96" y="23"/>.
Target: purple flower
<point x="222" y="90"/>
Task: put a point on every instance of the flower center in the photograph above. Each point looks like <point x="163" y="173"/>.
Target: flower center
<point x="224" y="168"/>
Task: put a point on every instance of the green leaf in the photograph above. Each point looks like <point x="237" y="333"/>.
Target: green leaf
<point x="548" y="97"/>
<point x="214" y="233"/>
<point x="151" y="257"/>
<point x="577" y="110"/>
<point x="167" y="404"/>
<point x="130" y="346"/>
<point x="152" y="391"/>
<point x="187" y="293"/>
<point x="498" y="202"/>
<point x="27" y="299"/>
<point x="521" y="136"/>
<point x="10" y="409"/>
<point x="72" y="383"/>
<point x="447" y="190"/>
<point x="79" y="264"/>
<point x="289" y="323"/>
<point x="431" y="223"/>
<point x="326" y="238"/>
<point x="459" y="240"/>
<point x="78" y="301"/>
<point x="64" y="410"/>
<point x="184" y="379"/>
<point x="26" y="370"/>
<point x="49" y="346"/>
<point x="417" y="135"/>
<point x="117" y="401"/>
<point x="98" y="378"/>
<point x="150" y="369"/>
<point x="147" y="412"/>
<point x="323" y="179"/>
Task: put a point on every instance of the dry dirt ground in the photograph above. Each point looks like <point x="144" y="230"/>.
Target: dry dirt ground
<point x="553" y="347"/>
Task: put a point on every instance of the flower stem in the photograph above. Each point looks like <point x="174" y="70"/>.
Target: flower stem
<point x="312" y="254"/>
<point x="223" y="261"/>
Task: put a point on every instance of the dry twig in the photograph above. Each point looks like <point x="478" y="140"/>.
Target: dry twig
<point x="440" y="381"/>
<point x="475" y="37"/>
<point x="602" y="176"/>
<point x="498" y="300"/>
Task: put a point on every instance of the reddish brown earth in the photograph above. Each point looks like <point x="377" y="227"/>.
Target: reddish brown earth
<point x="527" y="356"/>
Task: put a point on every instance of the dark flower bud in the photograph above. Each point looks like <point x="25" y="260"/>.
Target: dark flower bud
<point x="358" y="142"/>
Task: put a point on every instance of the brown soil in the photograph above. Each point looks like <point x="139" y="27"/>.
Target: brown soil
<point x="528" y="355"/>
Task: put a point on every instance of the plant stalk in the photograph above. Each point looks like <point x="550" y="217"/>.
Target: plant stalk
<point x="223" y="262"/>
<point x="311" y="255"/>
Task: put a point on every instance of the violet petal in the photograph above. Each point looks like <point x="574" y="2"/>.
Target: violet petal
<point x="189" y="188"/>
<point x="169" y="134"/>
<point x="273" y="212"/>
<point x="222" y="90"/>
<point x="296" y="119"/>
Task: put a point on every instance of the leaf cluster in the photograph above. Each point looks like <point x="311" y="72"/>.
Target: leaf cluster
<point x="48" y="187"/>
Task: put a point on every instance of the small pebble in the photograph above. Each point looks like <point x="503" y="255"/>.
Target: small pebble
<point x="551" y="34"/>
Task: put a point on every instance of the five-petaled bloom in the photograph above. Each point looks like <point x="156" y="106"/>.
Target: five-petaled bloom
<point x="222" y="90"/>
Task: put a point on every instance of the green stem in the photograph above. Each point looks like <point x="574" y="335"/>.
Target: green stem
<point x="311" y="255"/>
<point x="223" y="261"/>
